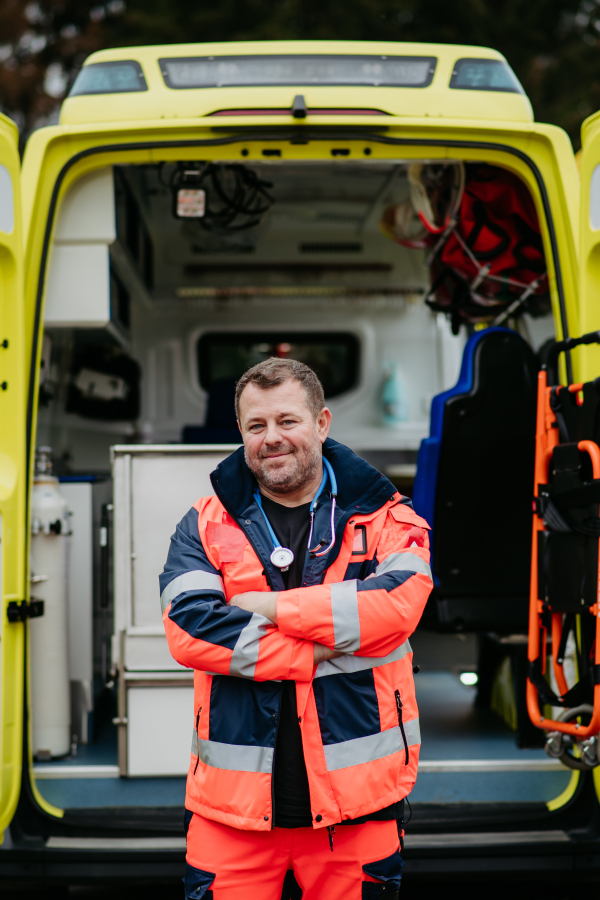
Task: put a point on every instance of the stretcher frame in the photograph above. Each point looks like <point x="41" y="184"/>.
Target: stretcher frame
<point x="546" y="439"/>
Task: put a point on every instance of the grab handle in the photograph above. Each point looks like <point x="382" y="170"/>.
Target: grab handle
<point x="593" y="337"/>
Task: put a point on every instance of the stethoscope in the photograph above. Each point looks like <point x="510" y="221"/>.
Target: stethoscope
<point x="283" y="557"/>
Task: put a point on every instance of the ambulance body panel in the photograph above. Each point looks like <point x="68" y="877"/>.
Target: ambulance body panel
<point x="315" y="269"/>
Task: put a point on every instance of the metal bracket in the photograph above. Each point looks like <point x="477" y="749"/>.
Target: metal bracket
<point x="20" y="610"/>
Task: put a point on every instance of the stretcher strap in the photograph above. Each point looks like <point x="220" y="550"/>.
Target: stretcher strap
<point x="557" y="521"/>
<point x="567" y="627"/>
<point x="578" y="694"/>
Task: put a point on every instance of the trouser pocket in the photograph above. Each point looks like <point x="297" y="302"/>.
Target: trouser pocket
<point x="388" y="873"/>
<point x="197" y="883"/>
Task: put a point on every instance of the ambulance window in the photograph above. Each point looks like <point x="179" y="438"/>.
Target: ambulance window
<point x="236" y="71"/>
<point x="109" y="78"/>
<point x="595" y="199"/>
<point x="484" y="75"/>
<point x="7" y="201"/>
<point x="333" y="355"/>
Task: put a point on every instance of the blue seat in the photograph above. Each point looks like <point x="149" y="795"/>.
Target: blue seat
<point x="220" y="426"/>
<point x="474" y="485"/>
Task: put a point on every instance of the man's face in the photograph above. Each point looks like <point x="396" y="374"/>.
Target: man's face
<point x="282" y="439"/>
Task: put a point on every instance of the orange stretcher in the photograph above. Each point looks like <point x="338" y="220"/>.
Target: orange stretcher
<point x="565" y="574"/>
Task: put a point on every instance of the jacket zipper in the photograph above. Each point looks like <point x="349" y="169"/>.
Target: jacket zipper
<point x="197" y="739"/>
<point x="399" y="707"/>
<point x="273" y="766"/>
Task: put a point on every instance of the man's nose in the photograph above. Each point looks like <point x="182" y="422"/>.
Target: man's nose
<point x="272" y="434"/>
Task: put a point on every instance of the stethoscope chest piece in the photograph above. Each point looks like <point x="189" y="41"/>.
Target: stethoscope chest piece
<point x="282" y="558"/>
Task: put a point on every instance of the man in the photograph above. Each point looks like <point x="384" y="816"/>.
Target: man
<point x="306" y="735"/>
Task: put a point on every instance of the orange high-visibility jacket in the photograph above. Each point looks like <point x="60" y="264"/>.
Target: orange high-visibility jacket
<point x="357" y="713"/>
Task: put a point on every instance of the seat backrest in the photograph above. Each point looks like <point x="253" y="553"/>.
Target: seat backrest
<point x="220" y="410"/>
<point x="220" y="425"/>
<point x="474" y="485"/>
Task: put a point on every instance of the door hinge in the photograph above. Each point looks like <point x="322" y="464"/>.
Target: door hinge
<point x="19" y="610"/>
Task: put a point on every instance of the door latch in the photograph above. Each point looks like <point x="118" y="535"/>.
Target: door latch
<point x="19" y="610"/>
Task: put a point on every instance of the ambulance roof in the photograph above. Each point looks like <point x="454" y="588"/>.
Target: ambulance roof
<point x="258" y="81"/>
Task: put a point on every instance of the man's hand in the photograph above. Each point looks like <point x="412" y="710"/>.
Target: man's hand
<point x="263" y="602"/>
<point x="322" y="653"/>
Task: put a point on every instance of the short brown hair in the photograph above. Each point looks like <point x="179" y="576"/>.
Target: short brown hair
<point x="271" y="372"/>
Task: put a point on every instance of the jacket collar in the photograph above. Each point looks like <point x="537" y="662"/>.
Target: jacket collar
<point x="361" y="488"/>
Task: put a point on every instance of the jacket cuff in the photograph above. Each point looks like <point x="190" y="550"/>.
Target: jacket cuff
<point x="288" y="613"/>
<point x="302" y="664"/>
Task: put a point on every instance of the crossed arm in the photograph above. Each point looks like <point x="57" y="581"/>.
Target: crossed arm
<point x="266" y="605"/>
<point x="270" y="635"/>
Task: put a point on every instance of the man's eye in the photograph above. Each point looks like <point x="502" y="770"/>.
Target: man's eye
<point x="255" y="427"/>
<point x="289" y="422"/>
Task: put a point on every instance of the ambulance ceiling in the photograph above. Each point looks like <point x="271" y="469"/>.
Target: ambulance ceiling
<point x="321" y="227"/>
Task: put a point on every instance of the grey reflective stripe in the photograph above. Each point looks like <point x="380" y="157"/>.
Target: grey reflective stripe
<point x="344" y="608"/>
<point x="369" y="748"/>
<point x="196" y="580"/>
<point x="403" y="562"/>
<point x="412" y="730"/>
<point x="245" y="653"/>
<point x="346" y="664"/>
<point x="233" y="757"/>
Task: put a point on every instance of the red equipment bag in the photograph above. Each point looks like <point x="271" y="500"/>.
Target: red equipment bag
<point x="490" y="263"/>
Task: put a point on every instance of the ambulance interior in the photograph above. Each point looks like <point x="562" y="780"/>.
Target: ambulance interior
<point x="165" y="282"/>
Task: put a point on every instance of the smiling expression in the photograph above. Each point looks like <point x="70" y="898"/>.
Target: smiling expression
<point x="282" y="439"/>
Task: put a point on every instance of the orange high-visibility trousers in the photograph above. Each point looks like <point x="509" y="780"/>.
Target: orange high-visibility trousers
<point x="231" y="863"/>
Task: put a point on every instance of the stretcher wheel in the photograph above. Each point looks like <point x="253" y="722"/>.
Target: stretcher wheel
<point x="574" y="753"/>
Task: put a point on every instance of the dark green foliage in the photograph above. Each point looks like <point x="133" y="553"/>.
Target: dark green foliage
<point x="553" y="45"/>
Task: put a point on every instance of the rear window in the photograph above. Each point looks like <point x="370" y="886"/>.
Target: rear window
<point x="333" y="356"/>
<point x="109" y="78"/>
<point x="485" y="75"/>
<point x="237" y="71"/>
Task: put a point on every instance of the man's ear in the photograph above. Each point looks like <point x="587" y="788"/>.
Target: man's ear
<point x="323" y="424"/>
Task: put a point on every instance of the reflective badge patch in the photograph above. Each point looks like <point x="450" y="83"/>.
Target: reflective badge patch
<point x="359" y="546"/>
<point x="415" y="537"/>
<point x="230" y="539"/>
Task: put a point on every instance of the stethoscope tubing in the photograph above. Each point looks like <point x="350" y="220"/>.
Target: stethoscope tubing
<point x="327" y="473"/>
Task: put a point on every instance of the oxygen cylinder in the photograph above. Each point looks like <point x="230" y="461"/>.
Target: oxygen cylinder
<point x="48" y="638"/>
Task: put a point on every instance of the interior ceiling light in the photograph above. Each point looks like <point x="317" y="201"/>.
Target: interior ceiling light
<point x="221" y="198"/>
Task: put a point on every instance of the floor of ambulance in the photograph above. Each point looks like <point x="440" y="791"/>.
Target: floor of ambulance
<point x="468" y="755"/>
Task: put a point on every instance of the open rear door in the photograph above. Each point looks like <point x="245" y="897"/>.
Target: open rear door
<point x="587" y="359"/>
<point x="13" y="533"/>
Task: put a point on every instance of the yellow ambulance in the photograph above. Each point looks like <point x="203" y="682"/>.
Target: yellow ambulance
<point x="380" y="211"/>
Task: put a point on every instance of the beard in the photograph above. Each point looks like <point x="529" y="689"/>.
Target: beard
<point x="297" y="471"/>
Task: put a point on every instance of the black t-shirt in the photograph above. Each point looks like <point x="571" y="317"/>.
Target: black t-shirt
<point x="291" y="795"/>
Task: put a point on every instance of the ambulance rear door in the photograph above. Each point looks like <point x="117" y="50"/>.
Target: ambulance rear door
<point x="14" y="607"/>
<point x="587" y="359"/>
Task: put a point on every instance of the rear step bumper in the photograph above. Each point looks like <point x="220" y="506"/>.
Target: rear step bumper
<point x="72" y="860"/>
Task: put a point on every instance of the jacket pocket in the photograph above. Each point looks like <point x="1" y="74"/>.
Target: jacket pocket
<point x="399" y="708"/>
<point x="197" y="883"/>
<point x="388" y="873"/>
